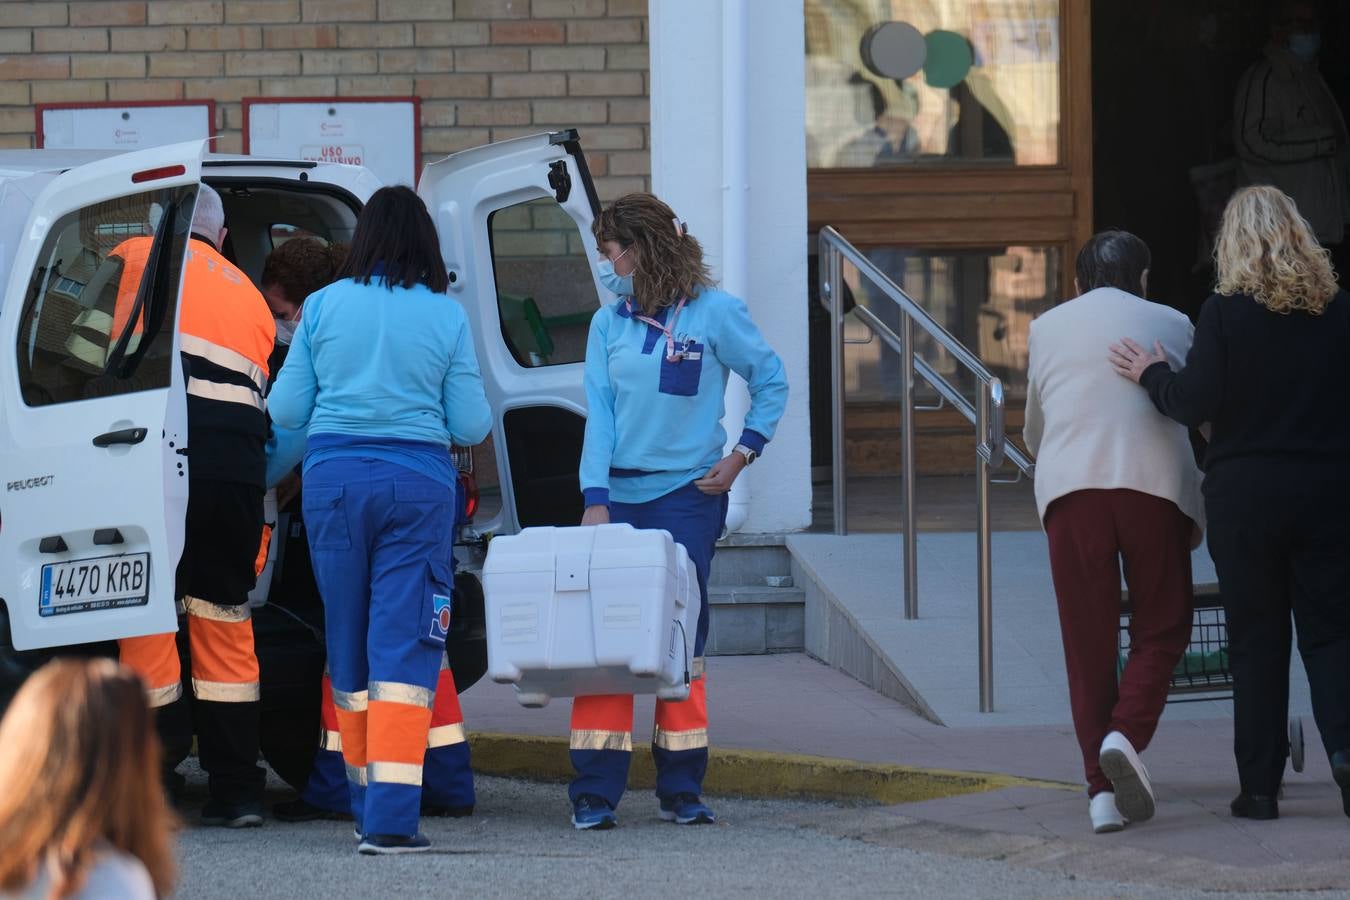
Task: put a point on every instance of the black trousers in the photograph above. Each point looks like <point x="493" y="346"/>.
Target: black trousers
<point x="224" y="532"/>
<point x="1279" y="532"/>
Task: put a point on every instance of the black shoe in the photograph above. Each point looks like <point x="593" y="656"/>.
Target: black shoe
<point x="175" y="787"/>
<point x="1255" y="806"/>
<point x="244" y="814"/>
<point x="1340" y="771"/>
<point x="383" y="844"/>
<point x="301" y="810"/>
<point x="438" y="811"/>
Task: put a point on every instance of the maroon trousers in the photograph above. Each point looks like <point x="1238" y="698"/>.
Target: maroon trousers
<point x="1090" y="532"/>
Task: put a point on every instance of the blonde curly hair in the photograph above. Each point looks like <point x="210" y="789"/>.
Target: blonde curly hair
<point x="668" y="261"/>
<point x="1267" y="250"/>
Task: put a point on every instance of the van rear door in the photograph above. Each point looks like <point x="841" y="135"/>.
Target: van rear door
<point x="514" y="220"/>
<point x="93" y="418"/>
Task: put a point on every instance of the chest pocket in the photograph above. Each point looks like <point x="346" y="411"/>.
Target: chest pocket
<point x="681" y="377"/>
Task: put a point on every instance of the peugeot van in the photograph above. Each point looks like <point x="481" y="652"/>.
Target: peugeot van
<point x="93" y="451"/>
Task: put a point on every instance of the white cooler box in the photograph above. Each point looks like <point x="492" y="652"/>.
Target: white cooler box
<point x="596" y="609"/>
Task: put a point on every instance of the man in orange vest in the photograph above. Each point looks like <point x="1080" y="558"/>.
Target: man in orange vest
<point x="226" y="334"/>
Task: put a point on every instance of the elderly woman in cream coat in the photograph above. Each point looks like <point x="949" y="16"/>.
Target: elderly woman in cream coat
<point x="1115" y="480"/>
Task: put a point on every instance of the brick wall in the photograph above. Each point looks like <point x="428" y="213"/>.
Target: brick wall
<point x="485" y="70"/>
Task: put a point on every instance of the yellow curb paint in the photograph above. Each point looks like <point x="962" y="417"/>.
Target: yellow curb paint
<point x="754" y="773"/>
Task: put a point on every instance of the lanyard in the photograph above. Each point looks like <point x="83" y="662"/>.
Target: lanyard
<point x="672" y="355"/>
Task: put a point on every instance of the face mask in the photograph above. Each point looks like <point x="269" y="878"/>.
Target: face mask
<point x="619" y="284"/>
<point x="286" y="331"/>
<point x="1305" y="46"/>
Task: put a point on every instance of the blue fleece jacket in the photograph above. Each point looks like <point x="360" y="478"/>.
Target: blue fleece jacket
<point x="374" y="363"/>
<point x="653" y="425"/>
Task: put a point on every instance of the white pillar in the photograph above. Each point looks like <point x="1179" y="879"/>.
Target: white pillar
<point x="743" y="193"/>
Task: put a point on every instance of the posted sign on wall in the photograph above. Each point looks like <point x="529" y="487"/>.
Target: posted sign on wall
<point x="380" y="133"/>
<point x="122" y="126"/>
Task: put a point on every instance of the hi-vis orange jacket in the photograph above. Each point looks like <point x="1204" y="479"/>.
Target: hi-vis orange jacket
<point x="226" y="334"/>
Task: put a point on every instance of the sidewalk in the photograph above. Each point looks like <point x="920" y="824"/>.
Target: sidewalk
<point x="791" y="704"/>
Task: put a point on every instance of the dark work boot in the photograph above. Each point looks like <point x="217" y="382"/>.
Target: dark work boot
<point x="1255" y="806"/>
<point x="1340" y="771"/>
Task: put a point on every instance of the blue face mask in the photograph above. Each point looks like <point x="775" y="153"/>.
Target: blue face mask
<point x="612" y="280"/>
<point x="1305" y="45"/>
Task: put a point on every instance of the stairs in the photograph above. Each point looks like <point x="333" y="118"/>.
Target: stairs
<point x="756" y="607"/>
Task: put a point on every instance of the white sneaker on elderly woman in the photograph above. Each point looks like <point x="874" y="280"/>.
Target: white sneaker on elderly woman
<point x="1129" y="778"/>
<point x="1105" y="817"/>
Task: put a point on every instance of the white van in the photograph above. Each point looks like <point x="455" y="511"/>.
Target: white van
<point x="93" y="453"/>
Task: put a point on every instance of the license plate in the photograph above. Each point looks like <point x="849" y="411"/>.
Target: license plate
<point x="106" y="582"/>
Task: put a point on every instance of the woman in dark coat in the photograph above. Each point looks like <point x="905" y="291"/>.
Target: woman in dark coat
<point x="1267" y="372"/>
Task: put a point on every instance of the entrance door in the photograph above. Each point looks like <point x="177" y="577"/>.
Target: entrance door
<point x="514" y="219"/>
<point x="951" y="143"/>
<point x="92" y="404"/>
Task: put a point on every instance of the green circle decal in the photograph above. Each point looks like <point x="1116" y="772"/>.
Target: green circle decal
<point x="949" y="59"/>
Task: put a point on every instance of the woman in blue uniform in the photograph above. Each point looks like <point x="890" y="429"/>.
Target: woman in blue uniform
<point x="657" y="364"/>
<point x="382" y="376"/>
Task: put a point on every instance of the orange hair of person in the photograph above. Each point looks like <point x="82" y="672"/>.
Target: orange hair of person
<point x="79" y="761"/>
<point x="668" y="262"/>
<point x="1267" y="250"/>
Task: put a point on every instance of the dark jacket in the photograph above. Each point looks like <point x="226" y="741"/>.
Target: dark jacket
<point x="1271" y="386"/>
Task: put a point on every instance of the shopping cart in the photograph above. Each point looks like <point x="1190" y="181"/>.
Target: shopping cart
<point x="1202" y="672"/>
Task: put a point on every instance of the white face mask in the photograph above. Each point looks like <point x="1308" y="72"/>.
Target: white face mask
<point x="286" y="331"/>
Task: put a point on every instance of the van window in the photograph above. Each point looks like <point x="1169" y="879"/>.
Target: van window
<point x="85" y="317"/>
<point x="281" y="233"/>
<point x="545" y="291"/>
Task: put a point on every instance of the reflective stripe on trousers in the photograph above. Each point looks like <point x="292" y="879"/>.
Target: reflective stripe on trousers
<point x="446" y="777"/>
<point x="602" y="743"/>
<point x="224" y="662"/>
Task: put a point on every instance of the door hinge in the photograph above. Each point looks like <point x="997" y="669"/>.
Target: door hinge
<point x="560" y="180"/>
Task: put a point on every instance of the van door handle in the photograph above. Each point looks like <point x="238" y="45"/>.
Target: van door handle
<point x="124" y="436"/>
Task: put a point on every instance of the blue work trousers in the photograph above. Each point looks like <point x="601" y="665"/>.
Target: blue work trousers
<point x="694" y="519"/>
<point x="381" y="536"/>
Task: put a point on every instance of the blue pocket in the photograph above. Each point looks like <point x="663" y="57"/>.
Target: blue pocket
<point x="680" y="377"/>
<point x="326" y="517"/>
<point x="422" y="510"/>
<point x="437" y="602"/>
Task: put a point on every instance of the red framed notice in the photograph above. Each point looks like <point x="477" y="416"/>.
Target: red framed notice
<point x="132" y="125"/>
<point x="381" y="133"/>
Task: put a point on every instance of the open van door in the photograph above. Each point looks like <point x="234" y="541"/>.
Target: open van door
<point x="93" y="416"/>
<point x="515" y="227"/>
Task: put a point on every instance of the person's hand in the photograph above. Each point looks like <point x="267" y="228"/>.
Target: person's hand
<point x="595" y="515"/>
<point x="288" y="489"/>
<point x="720" y="476"/>
<point x="1130" y="360"/>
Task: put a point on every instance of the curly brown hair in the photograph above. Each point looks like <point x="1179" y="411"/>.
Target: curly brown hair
<point x="301" y="266"/>
<point x="668" y="261"/>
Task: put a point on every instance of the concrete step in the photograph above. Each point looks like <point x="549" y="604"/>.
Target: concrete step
<point x="751" y="560"/>
<point x="755" y="619"/>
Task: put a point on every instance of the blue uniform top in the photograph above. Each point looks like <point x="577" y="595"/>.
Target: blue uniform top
<point x="389" y="373"/>
<point x="653" y="425"/>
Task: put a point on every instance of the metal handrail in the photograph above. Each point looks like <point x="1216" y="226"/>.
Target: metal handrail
<point x="987" y="414"/>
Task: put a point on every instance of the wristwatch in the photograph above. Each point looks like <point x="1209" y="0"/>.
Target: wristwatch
<point x="750" y="455"/>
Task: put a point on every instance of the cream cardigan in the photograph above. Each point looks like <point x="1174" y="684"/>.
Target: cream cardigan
<point x="1090" y="428"/>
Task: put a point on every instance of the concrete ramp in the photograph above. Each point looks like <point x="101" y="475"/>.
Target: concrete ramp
<point x="854" y="621"/>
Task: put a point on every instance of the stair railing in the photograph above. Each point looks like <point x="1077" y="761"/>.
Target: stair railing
<point x="986" y="414"/>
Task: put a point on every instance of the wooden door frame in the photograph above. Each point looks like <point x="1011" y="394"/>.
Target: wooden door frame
<point x="972" y="205"/>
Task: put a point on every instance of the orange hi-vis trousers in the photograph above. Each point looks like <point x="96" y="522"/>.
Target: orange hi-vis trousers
<point x="223" y="662"/>
<point x="602" y="742"/>
<point x="447" y="780"/>
<point x="225" y="692"/>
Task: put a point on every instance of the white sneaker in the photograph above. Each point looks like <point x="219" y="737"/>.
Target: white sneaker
<point x="1134" y="794"/>
<point x="1105" y="817"/>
